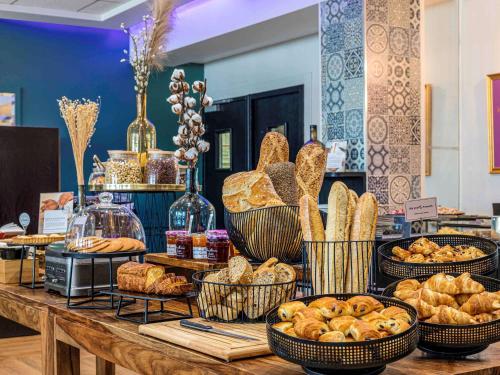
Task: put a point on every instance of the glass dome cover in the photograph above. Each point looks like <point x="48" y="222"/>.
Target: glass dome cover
<point x="105" y="227"/>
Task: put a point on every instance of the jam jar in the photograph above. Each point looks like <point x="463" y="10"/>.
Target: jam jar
<point x="184" y="246"/>
<point x="217" y="246"/>
<point x="172" y="241"/>
<point x="199" y="246"/>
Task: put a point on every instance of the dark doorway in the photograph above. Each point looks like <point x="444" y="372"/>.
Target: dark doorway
<point x="235" y="128"/>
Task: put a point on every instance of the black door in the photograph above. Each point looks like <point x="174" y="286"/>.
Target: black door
<point x="279" y="110"/>
<point x="227" y="133"/>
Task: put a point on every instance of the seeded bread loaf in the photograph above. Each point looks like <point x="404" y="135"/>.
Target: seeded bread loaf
<point x="273" y="149"/>
<point x="310" y="169"/>
<point x="283" y="178"/>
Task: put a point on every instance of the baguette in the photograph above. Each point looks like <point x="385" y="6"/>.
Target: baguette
<point x="310" y="169"/>
<point x="312" y="230"/>
<point x="363" y="229"/>
<point x="337" y="225"/>
<point x="273" y="149"/>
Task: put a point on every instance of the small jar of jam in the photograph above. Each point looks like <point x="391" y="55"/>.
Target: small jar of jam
<point x="217" y="246"/>
<point x="184" y="246"/>
<point x="172" y="241"/>
<point x="199" y="246"/>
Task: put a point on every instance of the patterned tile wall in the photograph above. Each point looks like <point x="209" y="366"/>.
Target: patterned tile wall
<point x="393" y="111"/>
<point x="343" y="77"/>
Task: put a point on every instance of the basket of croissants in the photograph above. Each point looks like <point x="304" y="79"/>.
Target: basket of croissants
<point x="261" y="206"/>
<point x="458" y="314"/>
<point x="342" y="331"/>
<point x="239" y="293"/>
<point x="432" y="254"/>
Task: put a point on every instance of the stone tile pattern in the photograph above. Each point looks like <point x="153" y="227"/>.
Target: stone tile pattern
<point x="343" y="77"/>
<point x="392" y="45"/>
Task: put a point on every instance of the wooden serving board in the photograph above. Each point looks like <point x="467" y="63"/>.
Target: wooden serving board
<point x="223" y="347"/>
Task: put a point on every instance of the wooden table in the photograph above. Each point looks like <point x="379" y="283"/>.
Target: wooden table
<point x="113" y="341"/>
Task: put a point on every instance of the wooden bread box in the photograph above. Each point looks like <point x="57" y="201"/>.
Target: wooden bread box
<point x="9" y="271"/>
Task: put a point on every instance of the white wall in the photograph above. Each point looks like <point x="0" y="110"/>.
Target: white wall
<point x="287" y="64"/>
<point x="440" y="51"/>
<point x="479" y="56"/>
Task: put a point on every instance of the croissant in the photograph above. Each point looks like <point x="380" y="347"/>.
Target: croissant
<point x="286" y="310"/>
<point x="481" y="303"/>
<point x="342" y="308"/>
<point x="449" y="315"/>
<point x="394" y="312"/>
<point x="395" y="326"/>
<point x="424" y="310"/>
<point x="290" y="332"/>
<point x="342" y="324"/>
<point x="325" y="306"/>
<point x="282" y="326"/>
<point x="400" y="252"/>
<point x="410" y="284"/>
<point x="310" y="329"/>
<point x="415" y="258"/>
<point x="483" y="318"/>
<point x="423" y="246"/>
<point x="361" y="330"/>
<point x="466" y="284"/>
<point x="333" y="336"/>
<point x="437" y="299"/>
<point x="462" y="298"/>
<point x="308" y="313"/>
<point x="376" y="319"/>
<point x="405" y="294"/>
<point x="364" y="304"/>
<point x="442" y="283"/>
<point x="496" y="314"/>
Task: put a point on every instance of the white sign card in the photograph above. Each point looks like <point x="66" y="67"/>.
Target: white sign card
<point x="53" y="208"/>
<point x="336" y="157"/>
<point x="421" y="209"/>
<point x="55" y="221"/>
<point x="24" y="220"/>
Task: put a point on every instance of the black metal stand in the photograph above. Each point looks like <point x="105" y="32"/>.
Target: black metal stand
<point x="162" y="315"/>
<point x="450" y="353"/>
<point x="33" y="284"/>
<point x="95" y="303"/>
<point x="367" y="371"/>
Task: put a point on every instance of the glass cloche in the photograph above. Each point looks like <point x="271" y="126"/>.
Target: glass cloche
<point x="105" y="227"/>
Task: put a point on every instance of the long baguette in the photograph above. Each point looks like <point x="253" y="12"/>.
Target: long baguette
<point x="363" y="229"/>
<point x="313" y="230"/>
<point x="337" y="227"/>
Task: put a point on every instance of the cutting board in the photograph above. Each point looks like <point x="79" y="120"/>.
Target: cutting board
<point x="223" y="347"/>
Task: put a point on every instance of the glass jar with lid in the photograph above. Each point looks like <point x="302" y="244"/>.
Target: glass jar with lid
<point x="97" y="177"/>
<point x="105" y="227"/>
<point x="217" y="246"/>
<point x="123" y="167"/>
<point x="161" y="167"/>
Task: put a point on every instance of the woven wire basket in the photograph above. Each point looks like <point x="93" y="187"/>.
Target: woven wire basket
<point x="321" y="357"/>
<point x="401" y="270"/>
<point x="264" y="233"/>
<point x="456" y="340"/>
<point x="239" y="303"/>
<point x="338" y="267"/>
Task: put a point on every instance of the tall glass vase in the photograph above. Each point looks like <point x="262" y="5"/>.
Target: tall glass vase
<point x="192" y="212"/>
<point x="141" y="133"/>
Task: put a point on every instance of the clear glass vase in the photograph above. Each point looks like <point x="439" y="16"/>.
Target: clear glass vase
<point x="192" y="212"/>
<point x="141" y="133"/>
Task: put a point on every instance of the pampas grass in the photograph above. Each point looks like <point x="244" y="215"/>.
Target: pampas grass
<point x="80" y="118"/>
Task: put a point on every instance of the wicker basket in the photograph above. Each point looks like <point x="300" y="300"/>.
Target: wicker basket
<point x="401" y="270"/>
<point x="323" y="357"/>
<point x="456" y="340"/>
<point x="248" y="303"/>
<point x="264" y="233"/>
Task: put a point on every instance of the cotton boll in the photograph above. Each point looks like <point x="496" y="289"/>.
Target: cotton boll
<point x="177" y="109"/>
<point x="175" y="87"/>
<point x="191" y="154"/>
<point x="177" y="140"/>
<point x="185" y="87"/>
<point x="189" y="102"/>
<point x="185" y="118"/>
<point x="207" y="101"/>
<point x="202" y="130"/>
<point x="179" y="154"/>
<point x="195" y="129"/>
<point x="198" y="86"/>
<point x="203" y="146"/>
<point x="173" y="99"/>
<point x="191" y="112"/>
<point x="196" y="119"/>
<point x="178" y="75"/>
<point x="183" y="130"/>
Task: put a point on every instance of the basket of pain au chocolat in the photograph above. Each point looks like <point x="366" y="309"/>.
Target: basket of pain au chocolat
<point x="354" y="333"/>
<point x="459" y="314"/>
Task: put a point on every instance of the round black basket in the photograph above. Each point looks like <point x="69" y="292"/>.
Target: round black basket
<point x="401" y="270"/>
<point x="264" y="233"/>
<point x="239" y="303"/>
<point x="456" y="340"/>
<point x="363" y="357"/>
<point x="338" y="267"/>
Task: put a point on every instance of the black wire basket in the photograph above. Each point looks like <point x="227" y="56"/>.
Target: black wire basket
<point x="338" y="267"/>
<point x="363" y="357"/>
<point x="268" y="232"/>
<point x="239" y="303"/>
<point x="446" y="340"/>
<point x="401" y="270"/>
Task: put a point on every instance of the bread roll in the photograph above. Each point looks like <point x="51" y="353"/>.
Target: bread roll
<point x="244" y="191"/>
<point x="312" y="230"/>
<point x="273" y="149"/>
<point x="240" y="271"/>
<point x="282" y="176"/>
<point x="337" y="229"/>
<point x="363" y="229"/>
<point x="310" y="169"/>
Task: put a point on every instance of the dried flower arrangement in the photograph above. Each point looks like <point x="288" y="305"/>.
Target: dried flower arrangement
<point x="191" y="127"/>
<point x="149" y="44"/>
<point x="80" y="118"/>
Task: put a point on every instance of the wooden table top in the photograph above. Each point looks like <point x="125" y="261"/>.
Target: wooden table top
<point x="101" y="332"/>
<point x="190" y="264"/>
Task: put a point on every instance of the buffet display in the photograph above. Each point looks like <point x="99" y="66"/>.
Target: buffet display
<point x="36" y="239"/>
